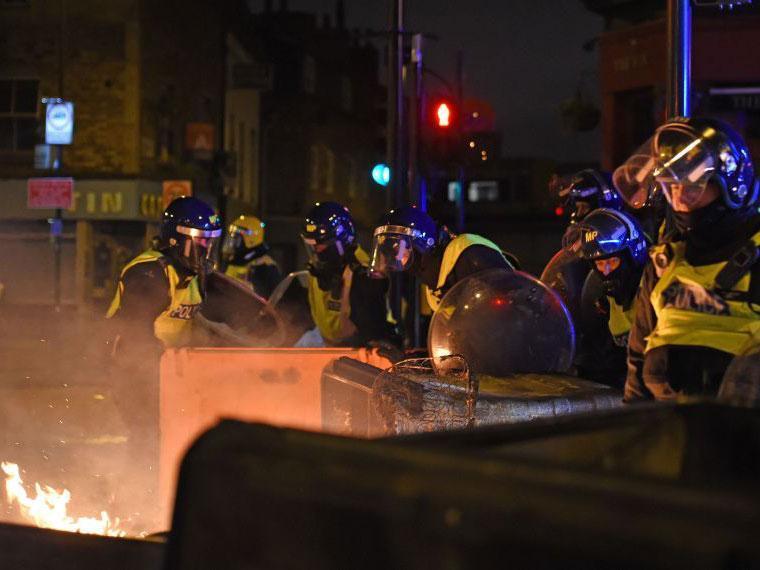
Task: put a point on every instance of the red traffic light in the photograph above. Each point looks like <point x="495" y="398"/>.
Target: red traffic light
<point x="443" y="115"/>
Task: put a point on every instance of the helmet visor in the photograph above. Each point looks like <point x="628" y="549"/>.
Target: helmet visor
<point x="233" y="242"/>
<point x="391" y="252"/>
<point x="675" y="161"/>
<point x="594" y="244"/>
<point x="634" y="179"/>
<point x="199" y="251"/>
<point x="323" y="253"/>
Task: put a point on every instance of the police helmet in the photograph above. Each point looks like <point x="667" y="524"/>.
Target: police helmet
<point x="402" y="232"/>
<point x="329" y="234"/>
<point x="690" y="153"/>
<point x="588" y="190"/>
<point x="189" y="231"/>
<point x="245" y="240"/>
<point x="606" y="233"/>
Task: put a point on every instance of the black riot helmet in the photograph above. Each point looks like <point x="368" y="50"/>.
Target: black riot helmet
<point x="404" y="235"/>
<point x="588" y="190"/>
<point x="329" y="236"/>
<point x="617" y="248"/>
<point x="690" y="153"/>
<point x="189" y="232"/>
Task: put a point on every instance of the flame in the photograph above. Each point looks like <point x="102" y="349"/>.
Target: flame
<point x="48" y="508"/>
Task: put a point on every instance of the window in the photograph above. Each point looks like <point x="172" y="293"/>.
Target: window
<point x="322" y="169"/>
<point x="18" y="114"/>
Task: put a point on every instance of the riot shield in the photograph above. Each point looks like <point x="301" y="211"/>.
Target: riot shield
<point x="232" y="312"/>
<point x="503" y="322"/>
<point x="566" y="274"/>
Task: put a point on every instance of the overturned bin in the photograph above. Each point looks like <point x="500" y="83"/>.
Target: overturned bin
<point x="420" y="396"/>
<point x="655" y="487"/>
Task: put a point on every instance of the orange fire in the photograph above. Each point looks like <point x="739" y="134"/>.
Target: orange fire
<point x="48" y="508"/>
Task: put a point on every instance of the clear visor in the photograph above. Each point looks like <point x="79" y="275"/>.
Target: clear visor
<point x="672" y="160"/>
<point x="232" y="243"/>
<point x="391" y="252"/>
<point x="321" y="253"/>
<point x="200" y="253"/>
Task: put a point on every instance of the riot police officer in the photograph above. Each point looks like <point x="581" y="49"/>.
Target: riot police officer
<point x="161" y="290"/>
<point x="697" y="304"/>
<point x="247" y="255"/>
<point x="347" y="307"/>
<point x="566" y="273"/>
<point x="614" y="246"/>
<point x="408" y="239"/>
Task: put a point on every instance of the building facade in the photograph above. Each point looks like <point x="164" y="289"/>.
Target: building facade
<point x="149" y="82"/>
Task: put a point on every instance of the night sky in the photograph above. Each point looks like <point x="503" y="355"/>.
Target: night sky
<point x="523" y="56"/>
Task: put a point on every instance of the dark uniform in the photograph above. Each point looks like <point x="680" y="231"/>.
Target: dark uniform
<point x="613" y="245"/>
<point x="347" y="307"/>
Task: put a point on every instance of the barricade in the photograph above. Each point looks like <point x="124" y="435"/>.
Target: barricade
<point x="277" y="386"/>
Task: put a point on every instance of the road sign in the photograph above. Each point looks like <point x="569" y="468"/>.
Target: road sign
<point x="59" y="122"/>
<point x="199" y="137"/>
<point x="50" y="193"/>
<point x="175" y="188"/>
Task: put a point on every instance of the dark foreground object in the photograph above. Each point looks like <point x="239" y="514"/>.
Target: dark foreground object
<point x="38" y="549"/>
<point x="654" y="487"/>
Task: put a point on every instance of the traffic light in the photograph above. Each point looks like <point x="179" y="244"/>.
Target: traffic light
<point x="381" y="174"/>
<point x="444" y="115"/>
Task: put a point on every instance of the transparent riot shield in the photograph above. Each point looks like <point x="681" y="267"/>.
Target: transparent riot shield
<point x="565" y="273"/>
<point x="503" y="322"/>
<point x="237" y="316"/>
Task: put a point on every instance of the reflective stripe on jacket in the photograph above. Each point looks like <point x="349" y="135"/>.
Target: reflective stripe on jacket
<point x="620" y="322"/>
<point x="692" y="312"/>
<point x="333" y="316"/>
<point x="450" y="256"/>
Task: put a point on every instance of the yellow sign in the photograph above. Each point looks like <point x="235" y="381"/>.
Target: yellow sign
<point x="590" y="235"/>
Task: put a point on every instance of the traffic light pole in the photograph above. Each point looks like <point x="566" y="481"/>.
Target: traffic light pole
<point x="416" y="187"/>
<point x="396" y="120"/>
<point x="395" y="131"/>
<point x="461" y="179"/>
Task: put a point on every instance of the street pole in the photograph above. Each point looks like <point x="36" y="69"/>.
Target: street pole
<point x="416" y="187"/>
<point x="395" y="132"/>
<point x="396" y="123"/>
<point x="56" y="223"/>
<point x="679" y="58"/>
<point x="461" y="180"/>
<point x="415" y="101"/>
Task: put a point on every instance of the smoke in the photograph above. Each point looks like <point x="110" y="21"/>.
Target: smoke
<point x="64" y="417"/>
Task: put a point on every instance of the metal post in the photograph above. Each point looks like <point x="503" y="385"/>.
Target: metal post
<point x="416" y="188"/>
<point x="679" y="58"/>
<point x="461" y="179"/>
<point x="415" y="100"/>
<point x="395" y="130"/>
<point x="56" y="224"/>
<point x="396" y="123"/>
